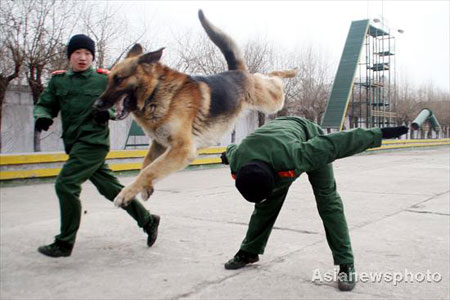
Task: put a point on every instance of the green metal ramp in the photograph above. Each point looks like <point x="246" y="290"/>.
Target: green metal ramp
<point x="343" y="82"/>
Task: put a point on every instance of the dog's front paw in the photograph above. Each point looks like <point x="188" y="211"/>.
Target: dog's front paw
<point x="125" y="196"/>
<point x="146" y="193"/>
<point x="119" y="201"/>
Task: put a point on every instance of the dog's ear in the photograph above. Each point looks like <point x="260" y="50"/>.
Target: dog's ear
<point x="135" y="51"/>
<point x="151" y="57"/>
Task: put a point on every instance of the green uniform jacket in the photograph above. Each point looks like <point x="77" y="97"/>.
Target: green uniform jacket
<point x="74" y="94"/>
<point x="293" y="145"/>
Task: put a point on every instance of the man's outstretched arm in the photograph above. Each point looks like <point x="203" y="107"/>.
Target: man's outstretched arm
<point x="324" y="149"/>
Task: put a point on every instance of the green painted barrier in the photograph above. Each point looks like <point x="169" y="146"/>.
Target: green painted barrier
<point x="426" y="115"/>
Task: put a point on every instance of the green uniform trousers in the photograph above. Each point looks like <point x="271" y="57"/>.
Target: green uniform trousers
<point x="330" y="209"/>
<point x="85" y="162"/>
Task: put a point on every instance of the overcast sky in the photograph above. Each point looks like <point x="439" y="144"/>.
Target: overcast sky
<point x="422" y="51"/>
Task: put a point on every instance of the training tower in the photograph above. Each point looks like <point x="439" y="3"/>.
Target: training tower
<point x="363" y="92"/>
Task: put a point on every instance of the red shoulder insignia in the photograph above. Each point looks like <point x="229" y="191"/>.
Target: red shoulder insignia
<point x="58" y="72"/>
<point x="103" y="71"/>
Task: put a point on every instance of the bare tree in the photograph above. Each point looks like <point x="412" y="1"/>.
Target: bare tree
<point x="407" y="104"/>
<point x="48" y="25"/>
<point x="11" y="50"/>
<point x="412" y="100"/>
<point x="307" y="94"/>
<point x="45" y="23"/>
<point x="259" y="55"/>
<point x="196" y="54"/>
<point x="101" y="22"/>
<point x="110" y="30"/>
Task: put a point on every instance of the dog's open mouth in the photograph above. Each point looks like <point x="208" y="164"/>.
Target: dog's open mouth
<point x="122" y="107"/>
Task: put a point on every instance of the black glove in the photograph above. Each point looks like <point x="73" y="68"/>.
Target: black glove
<point x="394" y="132"/>
<point x="43" y="124"/>
<point x="101" y="117"/>
<point x="224" y="158"/>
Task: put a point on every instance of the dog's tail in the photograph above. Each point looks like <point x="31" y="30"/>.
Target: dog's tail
<point x="227" y="46"/>
<point x="284" y="74"/>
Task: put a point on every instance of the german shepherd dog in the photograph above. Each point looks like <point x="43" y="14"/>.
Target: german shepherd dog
<point x="182" y="113"/>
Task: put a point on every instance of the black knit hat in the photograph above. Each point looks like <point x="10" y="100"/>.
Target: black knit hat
<point x="255" y="181"/>
<point x="81" y="41"/>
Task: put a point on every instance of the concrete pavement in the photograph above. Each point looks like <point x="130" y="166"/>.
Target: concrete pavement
<point x="397" y="207"/>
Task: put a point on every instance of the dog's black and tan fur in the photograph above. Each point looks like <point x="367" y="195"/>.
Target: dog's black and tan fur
<point x="181" y="113"/>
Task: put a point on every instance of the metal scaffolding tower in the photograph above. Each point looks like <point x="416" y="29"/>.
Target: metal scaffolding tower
<point x="364" y="86"/>
<point x="373" y="96"/>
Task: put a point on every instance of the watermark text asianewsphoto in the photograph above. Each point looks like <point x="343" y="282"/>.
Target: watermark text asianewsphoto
<point x="378" y="277"/>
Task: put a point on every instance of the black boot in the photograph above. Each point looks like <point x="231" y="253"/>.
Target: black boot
<point x="152" y="230"/>
<point x="241" y="259"/>
<point x="346" y="277"/>
<point x="57" y="249"/>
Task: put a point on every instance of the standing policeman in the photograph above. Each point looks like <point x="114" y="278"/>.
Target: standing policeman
<point x="269" y="160"/>
<point x="86" y="141"/>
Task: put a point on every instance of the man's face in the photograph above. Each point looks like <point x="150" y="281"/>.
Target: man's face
<point x="81" y="60"/>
